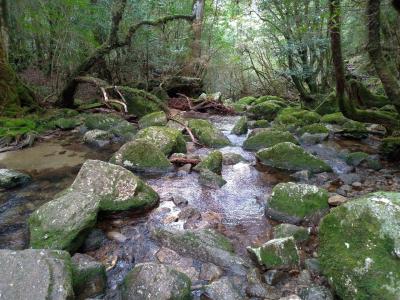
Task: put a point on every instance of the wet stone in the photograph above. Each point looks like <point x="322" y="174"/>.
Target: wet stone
<point x="273" y="277"/>
<point x="211" y="179"/>
<point x="223" y="289"/>
<point x="312" y="265"/>
<point x="95" y="239"/>
<point x="300" y="234"/>
<point x="337" y="200"/>
<point x="98" y="138"/>
<point x="315" y="292"/>
<point x="10" y="179"/>
<point x="210" y="272"/>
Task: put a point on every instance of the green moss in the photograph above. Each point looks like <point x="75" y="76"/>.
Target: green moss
<point x="275" y="99"/>
<point x="240" y="127"/>
<point x="334" y="118"/>
<point x="66" y="124"/>
<point x="357" y="247"/>
<point x="246" y="100"/>
<point x="300" y="234"/>
<point x="297" y="117"/>
<point x="261" y="124"/>
<point x="288" y="156"/>
<point x="354" y="129"/>
<point x="390" y="148"/>
<point x="212" y="162"/>
<point x="266" y="111"/>
<point x="313" y="129"/>
<point x="169" y="140"/>
<point x="299" y="200"/>
<point x="207" y="134"/>
<point x="114" y="124"/>
<point x="158" y="118"/>
<point x="268" y="138"/>
<point x="356" y="158"/>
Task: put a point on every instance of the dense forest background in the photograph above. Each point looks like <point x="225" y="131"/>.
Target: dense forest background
<point x="244" y="47"/>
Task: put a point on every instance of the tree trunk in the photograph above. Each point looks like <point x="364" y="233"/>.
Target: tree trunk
<point x="4" y="25"/>
<point x="389" y="81"/>
<point x="197" y="26"/>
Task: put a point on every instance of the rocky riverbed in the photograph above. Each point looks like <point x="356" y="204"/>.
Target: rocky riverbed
<point x="243" y="224"/>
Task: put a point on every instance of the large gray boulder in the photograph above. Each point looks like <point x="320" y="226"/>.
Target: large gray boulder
<point x="155" y="281"/>
<point x="99" y="186"/>
<point x="35" y="274"/>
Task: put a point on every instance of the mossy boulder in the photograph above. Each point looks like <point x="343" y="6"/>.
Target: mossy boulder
<point x="63" y="222"/>
<point x="207" y="134"/>
<point x="314" y="129"/>
<point x="142" y="156"/>
<point x="241" y="105"/>
<point x="268" y="138"/>
<point x="259" y="124"/>
<point x="354" y="129"/>
<point x="297" y="117"/>
<point x="273" y="99"/>
<point x="356" y="158"/>
<point x="205" y="245"/>
<point x="155" y="281"/>
<point x="212" y="162"/>
<point x="390" y="148"/>
<point x="265" y="110"/>
<point x="240" y="127"/>
<point x="230" y="159"/>
<point x="360" y="247"/>
<point x="211" y="179"/>
<point x="168" y="140"/>
<point x="294" y="203"/>
<point x="36" y="274"/>
<point x="158" y="118"/>
<point x="300" y="234"/>
<point x="334" y="118"/>
<point x="66" y="123"/>
<point x="290" y="157"/>
<point x="277" y="254"/>
<point x="11" y="178"/>
<point x="98" y="138"/>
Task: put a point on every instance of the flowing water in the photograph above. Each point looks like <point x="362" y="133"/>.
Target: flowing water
<point x="236" y="209"/>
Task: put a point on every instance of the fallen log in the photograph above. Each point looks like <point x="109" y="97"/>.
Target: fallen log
<point x="184" y="160"/>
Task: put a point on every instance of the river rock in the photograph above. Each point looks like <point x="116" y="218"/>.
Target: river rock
<point x="89" y="276"/>
<point x="277" y="254"/>
<point x="66" y="123"/>
<point x="313" y="138"/>
<point x="207" y="134"/>
<point x="210" y="272"/>
<point x="268" y="138"/>
<point x="354" y="129"/>
<point x="240" y="127"/>
<point x="35" y="274"/>
<point x="158" y="118"/>
<point x="10" y="178"/>
<point x="337" y="200"/>
<point x="142" y="156"/>
<point x="98" y="138"/>
<point x="223" y="289"/>
<point x="230" y="159"/>
<point x="360" y="247"/>
<point x="334" y="118"/>
<point x="315" y="292"/>
<point x="290" y="157"/>
<point x="294" y="116"/>
<point x="296" y="202"/>
<point x="205" y="245"/>
<point x="63" y="222"/>
<point x="168" y="140"/>
<point x="300" y="234"/>
<point x="211" y="179"/>
<point x="265" y="111"/>
<point x="212" y="162"/>
<point x="155" y="281"/>
<point x="356" y="158"/>
<point x="95" y="239"/>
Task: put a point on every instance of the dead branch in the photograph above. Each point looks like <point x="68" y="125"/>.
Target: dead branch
<point x="194" y="140"/>
<point x="184" y="160"/>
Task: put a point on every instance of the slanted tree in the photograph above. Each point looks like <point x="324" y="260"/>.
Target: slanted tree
<point x="113" y="42"/>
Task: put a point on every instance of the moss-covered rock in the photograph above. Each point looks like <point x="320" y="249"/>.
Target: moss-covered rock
<point x="356" y="158"/>
<point x="313" y="129"/>
<point x="246" y="100"/>
<point x="16" y="128"/>
<point x="168" y="140"/>
<point x="98" y="138"/>
<point x="63" y="222"/>
<point x="290" y="157"/>
<point x="273" y="99"/>
<point x="66" y="123"/>
<point x="158" y="118"/>
<point x="155" y="281"/>
<point x="36" y="274"/>
<point x="300" y="234"/>
<point x="230" y="159"/>
<point x="334" y="118"/>
<point x="207" y="134"/>
<point x="265" y="110"/>
<point x="211" y="179"/>
<point x="390" y="147"/>
<point x="354" y="129"/>
<point x="142" y="156"/>
<point x="11" y="178"/>
<point x="297" y="117"/>
<point x="240" y="127"/>
<point x="259" y="124"/>
<point x="360" y="247"/>
<point x="212" y="162"/>
<point x="294" y="203"/>
<point x="268" y="138"/>
<point x="277" y="254"/>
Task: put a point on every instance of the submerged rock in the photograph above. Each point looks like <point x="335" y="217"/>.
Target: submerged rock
<point x="158" y="118"/>
<point x="63" y="222"/>
<point x="35" y="274"/>
<point x="207" y="134"/>
<point x="168" y="140"/>
<point x="268" y="138"/>
<point x="240" y="126"/>
<point x="277" y="254"/>
<point x="142" y="156"/>
<point x="155" y="281"/>
<point x="10" y="178"/>
<point x="360" y="247"/>
<point x="294" y="203"/>
<point x="212" y="162"/>
<point x="290" y="157"/>
<point x="205" y="245"/>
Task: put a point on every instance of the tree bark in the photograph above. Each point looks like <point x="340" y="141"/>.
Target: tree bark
<point x="389" y="81"/>
<point x="197" y="26"/>
<point x="113" y="42"/>
<point x="4" y="25"/>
